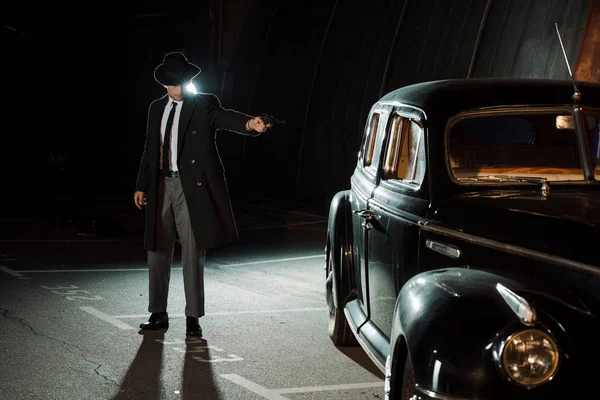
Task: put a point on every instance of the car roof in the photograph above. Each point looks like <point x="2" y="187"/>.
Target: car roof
<point x="452" y="96"/>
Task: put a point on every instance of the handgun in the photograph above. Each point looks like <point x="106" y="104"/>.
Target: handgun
<point x="269" y="119"/>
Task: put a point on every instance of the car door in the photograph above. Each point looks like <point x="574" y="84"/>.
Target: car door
<point x="363" y="182"/>
<point x="398" y="202"/>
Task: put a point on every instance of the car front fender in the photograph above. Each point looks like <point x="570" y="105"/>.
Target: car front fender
<point x="449" y="322"/>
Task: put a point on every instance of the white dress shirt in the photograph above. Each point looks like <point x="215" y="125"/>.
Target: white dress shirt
<point x="175" y="129"/>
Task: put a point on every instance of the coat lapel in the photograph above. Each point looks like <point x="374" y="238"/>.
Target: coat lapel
<point x="158" y="116"/>
<point x="154" y="121"/>
<point x="184" y="118"/>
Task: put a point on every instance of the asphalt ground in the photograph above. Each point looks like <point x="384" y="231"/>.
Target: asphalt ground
<point x="74" y="291"/>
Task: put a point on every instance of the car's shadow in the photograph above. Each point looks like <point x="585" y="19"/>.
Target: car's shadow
<point x="358" y="355"/>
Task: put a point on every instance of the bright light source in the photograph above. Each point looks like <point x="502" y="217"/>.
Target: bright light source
<point x="565" y="122"/>
<point x="191" y="88"/>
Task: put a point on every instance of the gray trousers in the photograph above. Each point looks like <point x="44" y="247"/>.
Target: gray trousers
<point x="173" y="219"/>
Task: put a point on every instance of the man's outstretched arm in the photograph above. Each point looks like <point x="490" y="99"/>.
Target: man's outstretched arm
<point x="231" y="120"/>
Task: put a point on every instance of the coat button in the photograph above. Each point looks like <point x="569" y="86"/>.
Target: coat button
<point x="199" y="183"/>
<point x="193" y="132"/>
<point x="193" y="161"/>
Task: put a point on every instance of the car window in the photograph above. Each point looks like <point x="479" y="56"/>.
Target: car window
<point x="369" y="139"/>
<point x="405" y="155"/>
<point x="498" y="130"/>
<point x="504" y="146"/>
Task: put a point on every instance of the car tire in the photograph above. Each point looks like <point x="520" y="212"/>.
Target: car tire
<point x="339" y="330"/>
<point x="408" y="381"/>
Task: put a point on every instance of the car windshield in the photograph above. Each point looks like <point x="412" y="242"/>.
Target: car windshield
<point x="528" y="146"/>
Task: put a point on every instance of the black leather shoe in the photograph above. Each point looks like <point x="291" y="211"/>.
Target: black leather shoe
<point x="156" y="321"/>
<point x="192" y="327"/>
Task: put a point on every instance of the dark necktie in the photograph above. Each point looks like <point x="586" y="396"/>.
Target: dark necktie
<point x="167" y="139"/>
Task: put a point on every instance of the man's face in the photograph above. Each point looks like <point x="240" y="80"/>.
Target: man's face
<point x="176" y="92"/>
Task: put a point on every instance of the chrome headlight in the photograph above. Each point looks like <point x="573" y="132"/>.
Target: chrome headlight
<point x="530" y="357"/>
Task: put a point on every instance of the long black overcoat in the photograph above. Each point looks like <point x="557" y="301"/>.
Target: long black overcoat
<point x="200" y="168"/>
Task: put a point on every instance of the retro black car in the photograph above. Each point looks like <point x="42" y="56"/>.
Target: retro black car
<point x="464" y="257"/>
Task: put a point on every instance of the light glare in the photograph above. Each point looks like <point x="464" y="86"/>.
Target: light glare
<point x="191" y="88"/>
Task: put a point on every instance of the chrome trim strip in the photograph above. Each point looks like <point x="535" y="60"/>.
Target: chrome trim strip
<point x="403" y="216"/>
<point x="518" y="305"/>
<point x="507" y="109"/>
<point x="396" y="103"/>
<point x="443" y="248"/>
<point x="435" y="395"/>
<point x="517" y="250"/>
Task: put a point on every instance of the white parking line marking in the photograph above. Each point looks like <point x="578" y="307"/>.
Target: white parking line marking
<point x="51" y="271"/>
<point x="320" y="309"/>
<point x="273" y="261"/>
<point x="207" y="356"/>
<point x="282" y="226"/>
<point x="12" y="272"/>
<point x="254" y="387"/>
<point x="107" y="318"/>
<point x="279" y="210"/>
<point x="58" y="240"/>
<point x="308" y="389"/>
<point x="48" y="271"/>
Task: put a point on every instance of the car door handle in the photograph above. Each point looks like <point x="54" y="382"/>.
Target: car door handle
<point x="366" y="214"/>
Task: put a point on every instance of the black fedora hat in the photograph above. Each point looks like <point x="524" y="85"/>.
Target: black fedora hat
<point x="175" y="70"/>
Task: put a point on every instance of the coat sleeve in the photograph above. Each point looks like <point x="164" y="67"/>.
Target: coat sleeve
<point x="143" y="177"/>
<point x="229" y="120"/>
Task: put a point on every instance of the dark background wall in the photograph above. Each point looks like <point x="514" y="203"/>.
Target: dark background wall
<point x="79" y="81"/>
<point x="321" y="64"/>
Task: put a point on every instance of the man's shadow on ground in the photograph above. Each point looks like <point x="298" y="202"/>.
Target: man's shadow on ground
<point x="198" y="381"/>
<point x="144" y="378"/>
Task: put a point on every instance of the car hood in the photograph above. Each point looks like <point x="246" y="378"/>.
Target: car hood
<point x="562" y="223"/>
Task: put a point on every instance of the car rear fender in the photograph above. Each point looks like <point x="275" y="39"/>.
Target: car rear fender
<point x="339" y="245"/>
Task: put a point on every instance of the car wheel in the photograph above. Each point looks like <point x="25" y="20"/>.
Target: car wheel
<point x="408" y="381"/>
<point x="339" y="330"/>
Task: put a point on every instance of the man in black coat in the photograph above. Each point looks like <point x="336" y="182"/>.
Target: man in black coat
<point x="183" y="187"/>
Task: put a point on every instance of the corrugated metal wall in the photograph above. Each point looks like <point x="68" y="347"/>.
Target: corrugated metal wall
<point x="321" y="64"/>
<point x="588" y="66"/>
